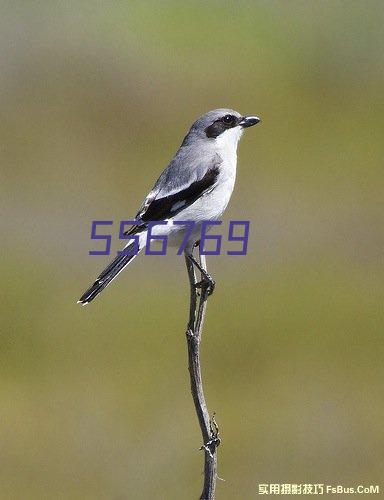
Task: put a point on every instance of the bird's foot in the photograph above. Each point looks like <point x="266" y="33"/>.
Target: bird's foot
<point x="207" y="285"/>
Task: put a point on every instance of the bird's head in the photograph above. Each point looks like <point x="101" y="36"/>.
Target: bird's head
<point x="221" y="125"/>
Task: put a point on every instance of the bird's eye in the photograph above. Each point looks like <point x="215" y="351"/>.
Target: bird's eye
<point x="228" y="119"/>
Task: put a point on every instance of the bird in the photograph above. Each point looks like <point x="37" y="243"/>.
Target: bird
<point x="196" y="186"/>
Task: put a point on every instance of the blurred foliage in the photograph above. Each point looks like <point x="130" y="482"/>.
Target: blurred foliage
<point x="95" y="99"/>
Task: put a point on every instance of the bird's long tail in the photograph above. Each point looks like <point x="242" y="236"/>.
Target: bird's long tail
<point x="110" y="273"/>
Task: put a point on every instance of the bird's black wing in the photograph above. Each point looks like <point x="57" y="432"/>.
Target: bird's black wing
<point x="157" y="207"/>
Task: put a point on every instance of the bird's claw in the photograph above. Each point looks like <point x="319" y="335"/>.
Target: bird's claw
<point x="206" y="285"/>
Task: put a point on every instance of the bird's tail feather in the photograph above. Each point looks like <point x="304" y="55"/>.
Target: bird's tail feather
<point x="109" y="274"/>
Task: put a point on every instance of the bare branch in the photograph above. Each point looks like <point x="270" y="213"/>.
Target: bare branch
<point x="209" y="428"/>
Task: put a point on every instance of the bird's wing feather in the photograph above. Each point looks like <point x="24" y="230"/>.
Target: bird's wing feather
<point x="178" y="187"/>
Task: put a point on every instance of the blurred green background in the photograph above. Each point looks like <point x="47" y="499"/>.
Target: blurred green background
<point x="95" y="99"/>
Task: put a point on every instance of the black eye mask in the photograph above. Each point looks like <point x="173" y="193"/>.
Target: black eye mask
<point x="221" y="125"/>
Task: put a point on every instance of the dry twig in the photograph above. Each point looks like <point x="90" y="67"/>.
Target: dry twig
<point x="209" y="428"/>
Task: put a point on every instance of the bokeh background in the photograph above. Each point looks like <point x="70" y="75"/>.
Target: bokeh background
<point x="95" y="98"/>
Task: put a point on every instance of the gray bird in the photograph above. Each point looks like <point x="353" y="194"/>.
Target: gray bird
<point x="195" y="186"/>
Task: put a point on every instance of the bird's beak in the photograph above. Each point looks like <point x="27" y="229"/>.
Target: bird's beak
<point x="249" y="121"/>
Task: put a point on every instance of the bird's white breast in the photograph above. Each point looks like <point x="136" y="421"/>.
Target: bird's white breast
<point x="212" y="204"/>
